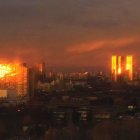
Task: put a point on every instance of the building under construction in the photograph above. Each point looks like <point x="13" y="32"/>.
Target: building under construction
<point x="13" y="80"/>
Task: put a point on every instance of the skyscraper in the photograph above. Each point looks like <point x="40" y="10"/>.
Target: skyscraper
<point x="14" y="77"/>
<point x="122" y="67"/>
<point x="42" y="71"/>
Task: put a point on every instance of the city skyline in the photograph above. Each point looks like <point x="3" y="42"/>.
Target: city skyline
<point x="69" y="33"/>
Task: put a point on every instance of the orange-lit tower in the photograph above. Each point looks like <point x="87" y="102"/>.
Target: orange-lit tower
<point x="114" y="67"/>
<point x="14" y="77"/>
<point x="129" y="66"/>
<point x="22" y="80"/>
<point x="42" y="72"/>
<point x="122" y="67"/>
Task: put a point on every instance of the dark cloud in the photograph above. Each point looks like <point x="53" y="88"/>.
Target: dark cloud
<point x="54" y="30"/>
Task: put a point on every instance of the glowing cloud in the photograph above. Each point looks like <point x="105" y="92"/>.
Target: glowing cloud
<point x="85" y="48"/>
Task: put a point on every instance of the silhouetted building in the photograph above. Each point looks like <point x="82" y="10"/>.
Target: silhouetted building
<point x="33" y="80"/>
<point x="42" y="72"/>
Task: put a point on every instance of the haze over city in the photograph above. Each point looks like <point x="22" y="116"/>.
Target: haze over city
<point x="69" y="70"/>
<point x="69" y="33"/>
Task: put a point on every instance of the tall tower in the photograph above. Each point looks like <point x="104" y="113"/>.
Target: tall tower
<point x="42" y="71"/>
<point x="14" y="77"/>
<point x="129" y="66"/>
<point x="22" y="80"/>
<point x="122" y="67"/>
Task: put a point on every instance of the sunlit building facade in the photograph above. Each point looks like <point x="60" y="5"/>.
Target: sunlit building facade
<point x="122" y="67"/>
<point x="14" y="77"/>
<point x="42" y="72"/>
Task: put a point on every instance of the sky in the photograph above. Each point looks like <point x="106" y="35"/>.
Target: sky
<point x="69" y="33"/>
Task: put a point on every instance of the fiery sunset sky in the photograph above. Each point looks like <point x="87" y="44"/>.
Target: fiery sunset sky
<point x="69" y="32"/>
